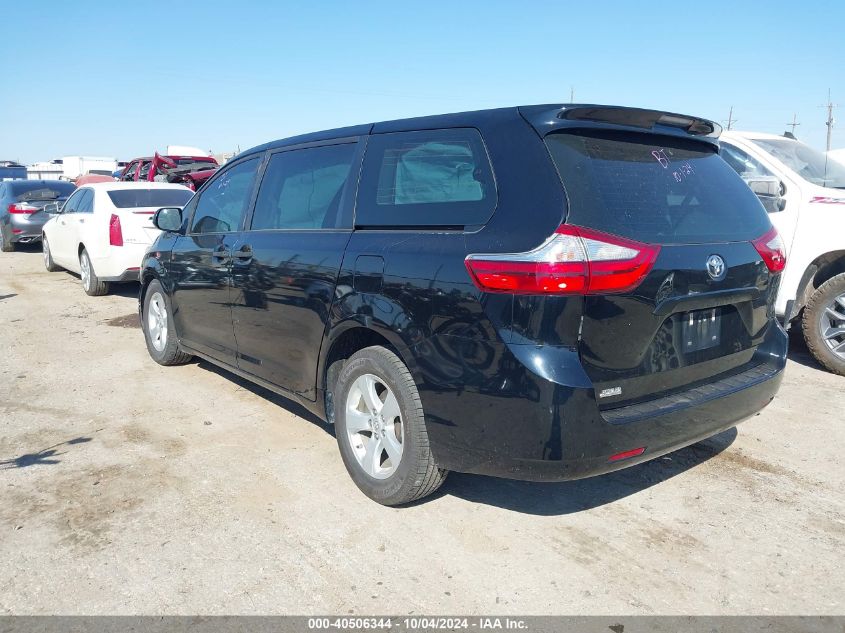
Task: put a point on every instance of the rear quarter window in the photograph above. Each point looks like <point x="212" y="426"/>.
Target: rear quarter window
<point x="655" y="189"/>
<point x="437" y="178"/>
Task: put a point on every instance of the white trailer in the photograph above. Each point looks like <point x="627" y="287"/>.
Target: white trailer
<point x="75" y="166"/>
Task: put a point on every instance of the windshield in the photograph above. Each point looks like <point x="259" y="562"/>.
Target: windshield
<point x="812" y="165"/>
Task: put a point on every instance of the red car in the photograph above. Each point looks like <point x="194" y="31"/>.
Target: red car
<point x="191" y="171"/>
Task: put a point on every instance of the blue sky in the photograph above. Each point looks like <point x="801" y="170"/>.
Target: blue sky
<point x="124" y="78"/>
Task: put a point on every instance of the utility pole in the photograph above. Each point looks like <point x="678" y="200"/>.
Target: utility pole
<point x="794" y="123"/>
<point x="731" y="120"/>
<point x="571" y="94"/>
<point x="830" y="120"/>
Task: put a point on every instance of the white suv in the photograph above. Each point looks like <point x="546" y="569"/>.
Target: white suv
<point x="804" y="193"/>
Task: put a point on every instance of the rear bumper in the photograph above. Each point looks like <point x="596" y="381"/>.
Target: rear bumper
<point x="21" y="229"/>
<point x="121" y="263"/>
<point x="556" y="432"/>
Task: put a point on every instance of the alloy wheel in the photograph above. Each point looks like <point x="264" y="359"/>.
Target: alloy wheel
<point x="45" y="251"/>
<point x="374" y="426"/>
<point x="832" y="326"/>
<point x="85" y="270"/>
<point x="157" y="321"/>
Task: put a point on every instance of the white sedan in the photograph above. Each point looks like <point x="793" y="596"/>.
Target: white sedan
<point x="104" y="229"/>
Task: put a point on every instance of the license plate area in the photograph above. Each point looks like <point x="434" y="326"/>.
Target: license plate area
<point x="701" y="329"/>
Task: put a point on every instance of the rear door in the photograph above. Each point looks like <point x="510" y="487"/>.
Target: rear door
<point x="702" y="308"/>
<point x="201" y="261"/>
<point x="285" y="267"/>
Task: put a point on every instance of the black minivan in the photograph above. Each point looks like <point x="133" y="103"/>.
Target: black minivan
<point x="544" y="292"/>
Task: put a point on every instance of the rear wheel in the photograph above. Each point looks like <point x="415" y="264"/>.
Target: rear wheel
<point x="158" y="328"/>
<point x="6" y="245"/>
<point x="90" y="282"/>
<point x="823" y="324"/>
<point x="49" y="264"/>
<point x="381" y="430"/>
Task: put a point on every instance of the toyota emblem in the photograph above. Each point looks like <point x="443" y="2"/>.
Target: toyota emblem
<point x="716" y="268"/>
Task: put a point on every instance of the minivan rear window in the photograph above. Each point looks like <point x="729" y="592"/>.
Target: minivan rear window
<point x="438" y="178"/>
<point x="656" y="189"/>
<point x="128" y="198"/>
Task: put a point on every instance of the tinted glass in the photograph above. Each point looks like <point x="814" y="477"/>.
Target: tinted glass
<point x="86" y="202"/>
<point x="431" y="178"/>
<point x="36" y="190"/>
<point x="222" y="204"/>
<point x="72" y="202"/>
<point x="302" y="189"/>
<point x="126" y="198"/>
<point x="655" y="189"/>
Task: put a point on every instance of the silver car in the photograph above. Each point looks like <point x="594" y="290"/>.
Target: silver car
<point x="22" y="212"/>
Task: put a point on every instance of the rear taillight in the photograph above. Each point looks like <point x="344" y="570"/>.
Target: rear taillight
<point x="574" y="260"/>
<point x="115" y="232"/>
<point x="772" y="250"/>
<point x="17" y="208"/>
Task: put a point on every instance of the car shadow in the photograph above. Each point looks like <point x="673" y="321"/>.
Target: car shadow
<point x="128" y="289"/>
<point x="44" y="457"/>
<point x="798" y="350"/>
<point x="290" y="405"/>
<point x="568" y="497"/>
<point x="538" y="498"/>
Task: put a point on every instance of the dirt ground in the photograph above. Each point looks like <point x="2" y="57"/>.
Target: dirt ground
<point x="126" y="487"/>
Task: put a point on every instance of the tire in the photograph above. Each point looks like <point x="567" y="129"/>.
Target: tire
<point x="823" y="324"/>
<point x="367" y="458"/>
<point x="49" y="264"/>
<point x="164" y="350"/>
<point x="90" y="282"/>
<point x="6" y="247"/>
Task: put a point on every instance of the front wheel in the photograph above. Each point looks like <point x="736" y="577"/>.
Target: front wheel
<point x="381" y="430"/>
<point x="158" y="328"/>
<point x="823" y="324"/>
<point x="90" y="282"/>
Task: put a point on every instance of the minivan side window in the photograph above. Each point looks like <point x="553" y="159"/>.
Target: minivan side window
<point x="223" y="202"/>
<point x="303" y="188"/>
<point x="426" y="178"/>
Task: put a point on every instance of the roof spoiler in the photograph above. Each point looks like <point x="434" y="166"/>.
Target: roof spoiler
<point x="548" y="118"/>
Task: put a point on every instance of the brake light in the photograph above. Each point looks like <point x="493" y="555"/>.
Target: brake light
<point x="574" y="260"/>
<point x="115" y="232"/>
<point x="14" y="208"/>
<point x="772" y="250"/>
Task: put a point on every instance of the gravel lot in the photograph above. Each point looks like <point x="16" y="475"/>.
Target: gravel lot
<point x="132" y="488"/>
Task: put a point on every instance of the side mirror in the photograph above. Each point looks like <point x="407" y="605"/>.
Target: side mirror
<point x="770" y="191"/>
<point x="51" y="208"/>
<point x="168" y="219"/>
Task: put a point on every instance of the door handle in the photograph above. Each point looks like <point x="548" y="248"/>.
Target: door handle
<point x="82" y="220"/>
<point x="243" y="255"/>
